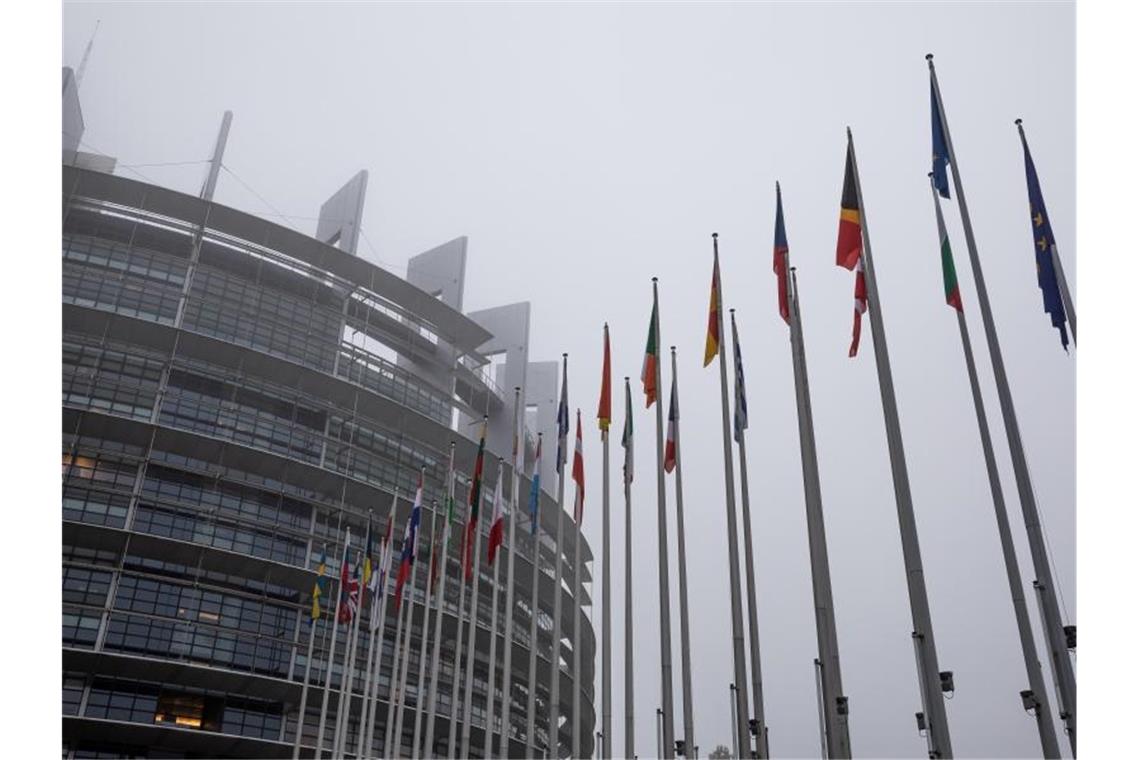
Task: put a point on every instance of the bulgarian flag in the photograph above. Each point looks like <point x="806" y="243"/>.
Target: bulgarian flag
<point x="495" y="537"/>
<point x="535" y="477"/>
<point x="671" y="439"/>
<point x="604" y="400"/>
<point x="949" y="275"/>
<point x="649" y="365"/>
<point x="411" y="537"/>
<point x="476" y="496"/>
<point x="780" y="256"/>
<point x="712" y="339"/>
<point x="578" y="473"/>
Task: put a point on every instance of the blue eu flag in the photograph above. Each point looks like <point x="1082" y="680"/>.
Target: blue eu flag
<point x="1043" y="245"/>
<point x="941" y="155"/>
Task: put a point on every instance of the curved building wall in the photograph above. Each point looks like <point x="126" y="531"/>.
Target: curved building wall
<point x="223" y="422"/>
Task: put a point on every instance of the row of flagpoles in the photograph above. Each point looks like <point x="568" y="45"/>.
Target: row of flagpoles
<point x="853" y="252"/>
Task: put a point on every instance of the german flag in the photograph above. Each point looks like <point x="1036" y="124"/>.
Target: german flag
<point x="712" y="337"/>
<point x="850" y="245"/>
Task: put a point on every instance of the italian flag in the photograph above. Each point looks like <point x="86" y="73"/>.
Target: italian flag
<point x="649" y="365"/>
<point x="949" y="274"/>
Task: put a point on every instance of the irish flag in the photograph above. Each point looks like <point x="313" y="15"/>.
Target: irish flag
<point x="671" y="439"/>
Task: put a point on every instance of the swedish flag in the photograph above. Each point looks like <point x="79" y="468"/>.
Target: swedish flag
<point x="1043" y="245"/>
<point x="319" y="587"/>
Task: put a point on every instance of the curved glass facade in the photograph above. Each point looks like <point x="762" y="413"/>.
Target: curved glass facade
<point x="224" y="422"/>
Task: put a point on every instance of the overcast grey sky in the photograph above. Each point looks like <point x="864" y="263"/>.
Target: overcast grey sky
<point x="587" y="148"/>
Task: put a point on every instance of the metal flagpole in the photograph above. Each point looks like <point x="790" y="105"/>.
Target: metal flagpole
<point x="1066" y="298"/>
<point x="606" y="750"/>
<point x="819" y="700"/>
<point x="834" y="706"/>
<point x="489" y="712"/>
<point x="425" y="624"/>
<point x="441" y="596"/>
<point x="332" y="650"/>
<point x="305" y="686"/>
<point x="734" y="712"/>
<point x="472" y="626"/>
<point x="554" y="702"/>
<point x="402" y="690"/>
<point x="740" y="669"/>
<point x="451" y="725"/>
<point x="394" y="680"/>
<point x="382" y="626"/>
<point x="686" y="666"/>
<point x="757" y="724"/>
<point x="517" y="457"/>
<point x="1054" y="630"/>
<point x="1038" y="696"/>
<point x="344" y="704"/>
<point x="532" y="666"/>
<point x="627" y="479"/>
<point x="576" y="701"/>
<point x="930" y="680"/>
<point x="366" y="681"/>
<point x="662" y="550"/>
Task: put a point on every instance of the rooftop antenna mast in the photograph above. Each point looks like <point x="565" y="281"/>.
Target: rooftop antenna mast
<point x="216" y="161"/>
<point x="86" y="55"/>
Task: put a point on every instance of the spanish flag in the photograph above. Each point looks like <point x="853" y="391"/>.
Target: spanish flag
<point x="850" y="245"/>
<point x="604" y="413"/>
<point x="712" y="339"/>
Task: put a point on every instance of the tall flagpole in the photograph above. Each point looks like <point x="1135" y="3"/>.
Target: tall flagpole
<point x="308" y="667"/>
<point x="606" y="750"/>
<point x="394" y="682"/>
<point x="426" y="622"/>
<point x="441" y="595"/>
<point x="532" y="666"/>
<point x="686" y="665"/>
<point x="576" y="701"/>
<point x="366" y="683"/>
<point x="1051" y="611"/>
<point x="930" y="681"/>
<point x="451" y="721"/>
<point x="332" y="650"/>
<point x="518" y="455"/>
<point x="381" y="625"/>
<point x="757" y="725"/>
<point x="663" y="551"/>
<point x="344" y="704"/>
<point x="834" y="703"/>
<point x="1039" y="696"/>
<point x="627" y="479"/>
<point x="740" y="668"/>
<point x="1062" y="281"/>
<point x="489" y="711"/>
<point x="402" y="686"/>
<point x="472" y="627"/>
<point x="554" y="703"/>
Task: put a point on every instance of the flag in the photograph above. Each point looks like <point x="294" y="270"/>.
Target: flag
<point x="671" y="438"/>
<point x="949" y="275"/>
<point x="319" y="586"/>
<point x="495" y="536"/>
<point x="344" y="573"/>
<point x="740" y="420"/>
<point x="433" y="576"/>
<point x="860" y="307"/>
<point x="780" y="256"/>
<point x="940" y="153"/>
<point x="380" y="573"/>
<point x="712" y="338"/>
<point x="1043" y="245"/>
<point x="351" y="604"/>
<point x="368" y="552"/>
<point x="535" y="476"/>
<point x="578" y="473"/>
<point x="474" y="499"/>
<point x="849" y="248"/>
<point x="604" y="399"/>
<point x="411" y="536"/>
<point x="649" y="365"/>
<point x="563" y="424"/>
<point x="627" y="436"/>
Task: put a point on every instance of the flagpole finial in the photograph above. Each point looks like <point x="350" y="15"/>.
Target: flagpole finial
<point x="930" y="175"/>
<point x="848" y="132"/>
<point x="672" y="349"/>
<point x="1017" y="122"/>
<point x="715" y="236"/>
<point x="930" y="56"/>
<point x="732" y="311"/>
<point x="655" y="279"/>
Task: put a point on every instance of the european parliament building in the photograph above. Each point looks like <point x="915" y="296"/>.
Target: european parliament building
<point x="236" y="394"/>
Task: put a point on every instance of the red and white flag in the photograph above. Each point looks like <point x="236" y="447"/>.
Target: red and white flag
<point x="671" y="438"/>
<point x="860" y="307"/>
<point x="495" y="538"/>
